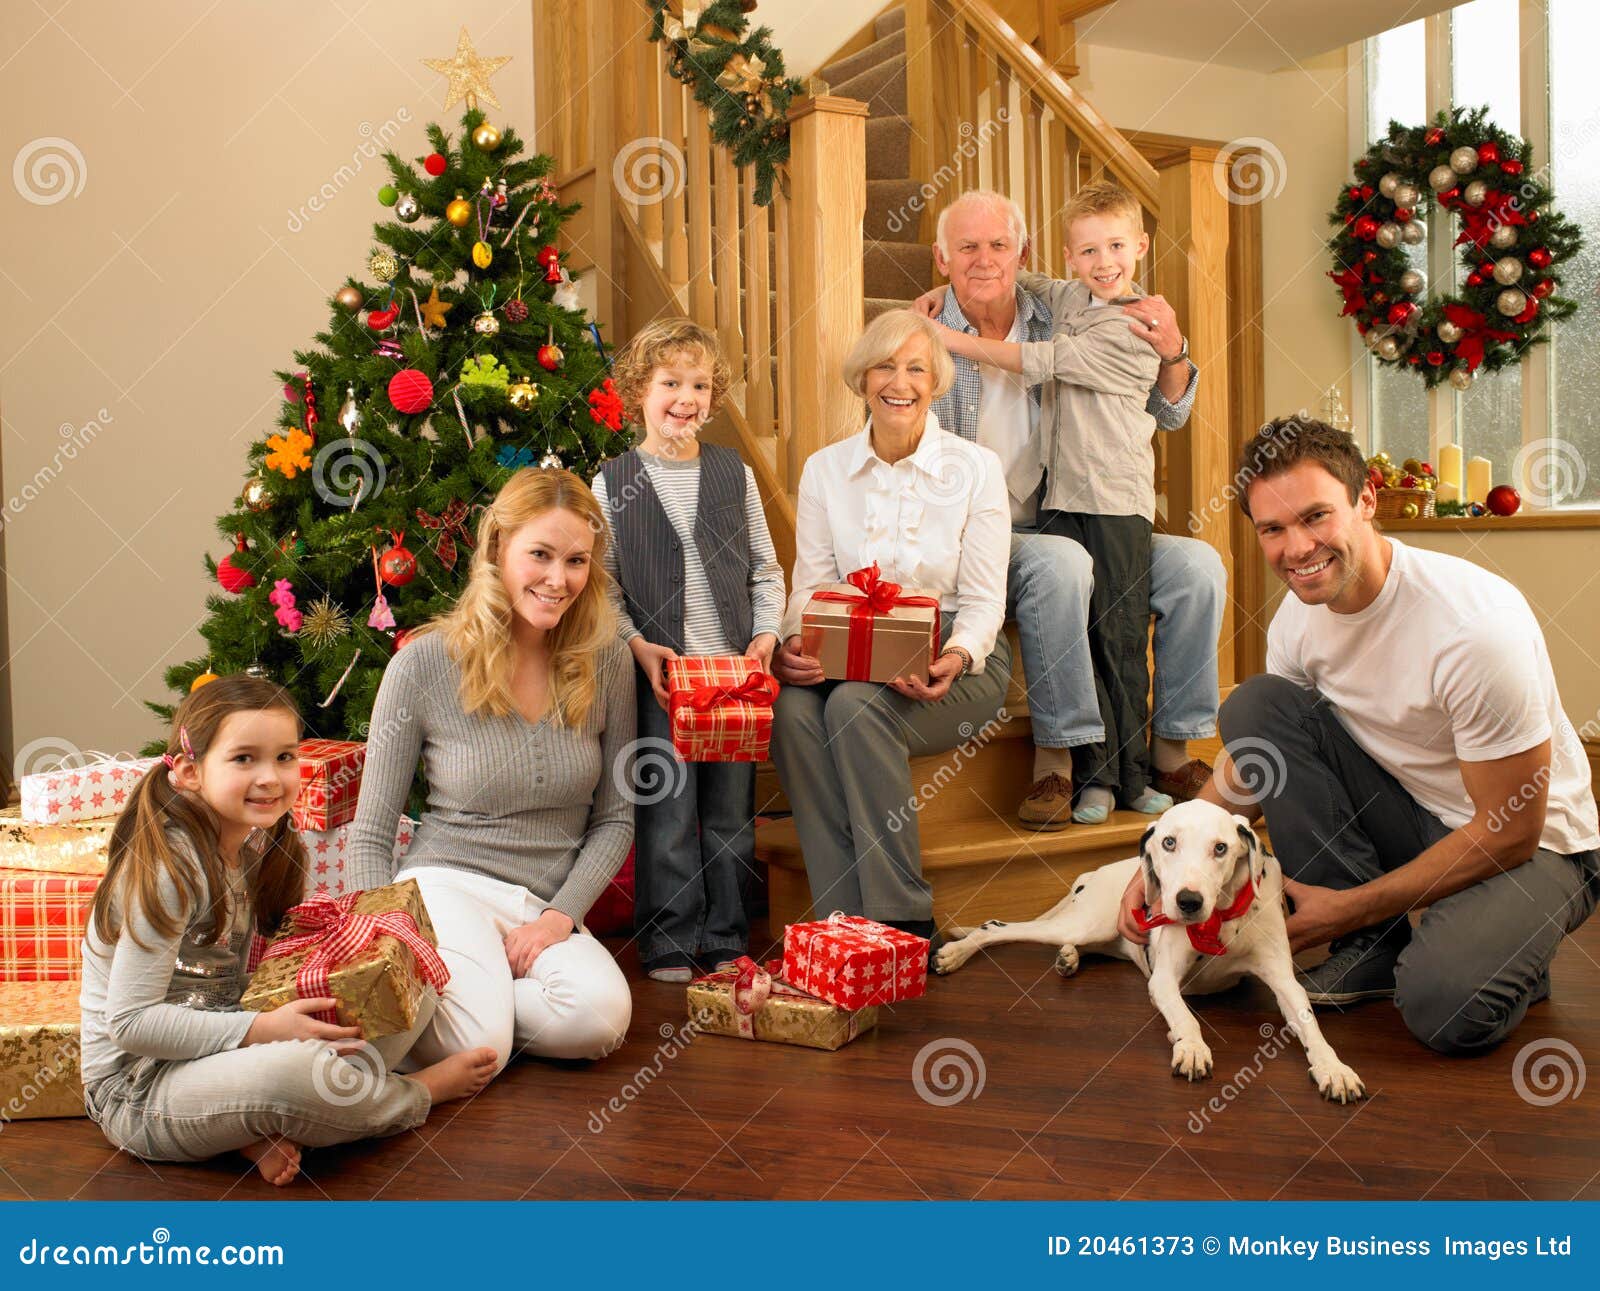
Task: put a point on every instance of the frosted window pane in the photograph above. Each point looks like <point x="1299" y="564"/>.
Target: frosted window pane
<point x="1575" y="162"/>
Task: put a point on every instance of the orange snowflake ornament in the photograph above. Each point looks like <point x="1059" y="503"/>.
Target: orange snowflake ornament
<point x="288" y="452"/>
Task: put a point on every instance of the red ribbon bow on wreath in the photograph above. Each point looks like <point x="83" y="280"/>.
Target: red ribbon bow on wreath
<point x="1205" y="937"/>
<point x="1475" y="334"/>
<point x="337" y="934"/>
<point x="1352" y="284"/>
<point x="1478" y="223"/>
<point x="453" y="519"/>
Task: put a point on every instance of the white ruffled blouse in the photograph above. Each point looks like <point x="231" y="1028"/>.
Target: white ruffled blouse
<point x="938" y="521"/>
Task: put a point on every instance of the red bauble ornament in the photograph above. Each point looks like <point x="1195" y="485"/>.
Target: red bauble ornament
<point x="1503" y="500"/>
<point x="291" y="390"/>
<point x="1408" y="481"/>
<point x="1434" y="137"/>
<point x="1474" y="279"/>
<point x="230" y="576"/>
<point x="550" y="258"/>
<point x="1365" y="228"/>
<point x="410" y="391"/>
<point x="1435" y="358"/>
<point x="550" y="357"/>
<point x="1400" y="312"/>
<point x="435" y="164"/>
<point x="1367" y="190"/>
<point x="1355" y="194"/>
<point x="1486" y="269"/>
<point x="1488" y="153"/>
<point x="1511" y="167"/>
<point x="397" y="566"/>
<point x="516" y="311"/>
<point x="401" y="637"/>
<point x="1543" y="288"/>
<point x="1374" y="475"/>
<point x="1403" y="214"/>
<point x="1529" y="313"/>
<point x="1539" y="257"/>
<point x="1413" y="360"/>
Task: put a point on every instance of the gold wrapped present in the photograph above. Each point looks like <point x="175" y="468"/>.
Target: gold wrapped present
<point x="869" y="629"/>
<point x="81" y="847"/>
<point x="375" y="952"/>
<point x="755" y="1004"/>
<point x="39" y="1037"/>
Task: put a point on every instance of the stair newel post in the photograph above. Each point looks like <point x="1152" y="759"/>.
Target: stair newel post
<point x="827" y="202"/>
<point x="920" y="19"/>
<point x="1191" y="271"/>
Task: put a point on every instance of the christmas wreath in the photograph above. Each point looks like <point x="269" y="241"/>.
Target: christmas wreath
<point x="737" y="74"/>
<point x="1513" y="242"/>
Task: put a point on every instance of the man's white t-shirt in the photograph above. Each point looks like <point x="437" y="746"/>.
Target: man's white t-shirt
<point x="1447" y="663"/>
<point x="1008" y="423"/>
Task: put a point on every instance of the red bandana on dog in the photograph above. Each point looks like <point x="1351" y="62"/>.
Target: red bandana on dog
<point x="1205" y="937"/>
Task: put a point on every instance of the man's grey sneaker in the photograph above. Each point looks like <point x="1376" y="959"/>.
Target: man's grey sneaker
<point x="1361" y="967"/>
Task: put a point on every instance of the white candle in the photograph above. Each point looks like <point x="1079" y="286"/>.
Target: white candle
<point x="1446" y="493"/>
<point x="1449" y="473"/>
<point x="1479" y="476"/>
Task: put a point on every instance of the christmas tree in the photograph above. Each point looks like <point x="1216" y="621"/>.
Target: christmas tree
<point x="465" y="358"/>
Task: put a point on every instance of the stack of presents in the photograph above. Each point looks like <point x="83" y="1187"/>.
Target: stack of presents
<point x="827" y="988"/>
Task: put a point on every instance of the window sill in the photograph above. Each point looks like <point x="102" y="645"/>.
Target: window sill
<point x="1493" y="524"/>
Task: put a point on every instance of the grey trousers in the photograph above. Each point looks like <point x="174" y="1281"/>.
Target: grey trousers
<point x="843" y="750"/>
<point x="1479" y="957"/>
<point x="197" y="1108"/>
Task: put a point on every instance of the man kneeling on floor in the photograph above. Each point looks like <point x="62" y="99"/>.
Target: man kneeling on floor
<point x="1409" y="751"/>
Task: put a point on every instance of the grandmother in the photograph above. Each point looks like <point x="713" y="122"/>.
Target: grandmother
<point x="930" y="508"/>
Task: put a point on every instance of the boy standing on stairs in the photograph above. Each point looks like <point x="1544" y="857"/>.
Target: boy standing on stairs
<point x="693" y="572"/>
<point x="982" y="240"/>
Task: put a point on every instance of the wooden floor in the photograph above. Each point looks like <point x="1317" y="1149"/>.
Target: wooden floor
<point x="1075" y="1101"/>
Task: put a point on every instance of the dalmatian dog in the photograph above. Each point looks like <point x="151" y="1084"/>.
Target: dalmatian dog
<point x="1217" y="898"/>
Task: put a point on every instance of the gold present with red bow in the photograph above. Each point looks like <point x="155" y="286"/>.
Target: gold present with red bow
<point x="375" y="952"/>
<point x="855" y="962"/>
<point x="82" y="847"/>
<point x="330" y="783"/>
<point x="754" y="1003"/>
<point x="720" y="708"/>
<point x="42" y="921"/>
<point x="869" y="629"/>
<point x="39" y="1051"/>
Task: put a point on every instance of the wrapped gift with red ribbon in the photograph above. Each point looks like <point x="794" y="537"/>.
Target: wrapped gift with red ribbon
<point x="42" y="921"/>
<point x="869" y="629"/>
<point x="330" y="783"/>
<point x="82" y="847"/>
<point x="720" y="708"/>
<point x="374" y="951"/>
<point x="855" y="962"/>
<point x="755" y="1003"/>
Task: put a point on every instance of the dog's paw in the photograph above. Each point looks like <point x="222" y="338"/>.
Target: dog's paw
<point x="951" y="956"/>
<point x="1191" y="1059"/>
<point x="1067" y="961"/>
<point x="1338" y="1083"/>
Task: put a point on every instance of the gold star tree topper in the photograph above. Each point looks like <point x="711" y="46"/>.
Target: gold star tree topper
<point x="469" y="74"/>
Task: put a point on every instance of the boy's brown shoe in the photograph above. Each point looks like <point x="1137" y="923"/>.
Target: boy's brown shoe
<point x="1048" y="805"/>
<point x="1185" y="783"/>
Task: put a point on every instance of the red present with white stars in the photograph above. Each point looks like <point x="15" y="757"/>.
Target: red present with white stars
<point x="855" y="962"/>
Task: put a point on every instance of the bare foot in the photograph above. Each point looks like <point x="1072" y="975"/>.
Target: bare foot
<point x="277" y="1159"/>
<point x="459" y="1076"/>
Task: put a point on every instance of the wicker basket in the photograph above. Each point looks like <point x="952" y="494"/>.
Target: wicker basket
<point x="1392" y="502"/>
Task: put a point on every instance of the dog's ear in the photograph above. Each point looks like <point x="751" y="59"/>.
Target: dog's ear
<point x="1254" y="852"/>
<point x="1152" y="886"/>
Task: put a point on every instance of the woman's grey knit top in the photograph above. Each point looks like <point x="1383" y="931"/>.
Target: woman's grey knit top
<point x="535" y="804"/>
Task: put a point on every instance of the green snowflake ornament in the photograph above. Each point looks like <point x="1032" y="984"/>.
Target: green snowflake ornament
<point x="485" y="370"/>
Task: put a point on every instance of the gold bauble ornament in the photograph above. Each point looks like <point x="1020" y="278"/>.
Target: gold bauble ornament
<point x="459" y="212"/>
<point x="486" y="324"/>
<point x="255" y="496"/>
<point x="522" y="394"/>
<point x="482" y="254"/>
<point x="1503" y="238"/>
<point x="384" y="266"/>
<point x="204" y="679"/>
<point x="1511" y="302"/>
<point x="1508" y="270"/>
<point x="1410" y="510"/>
<point x="349" y="298"/>
<point x="1461" y="378"/>
<point x="1388" y="235"/>
<point x="1449" y="332"/>
<point x="486" y="137"/>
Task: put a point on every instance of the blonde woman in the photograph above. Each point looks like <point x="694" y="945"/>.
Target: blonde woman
<point x="519" y="702"/>
<point x="930" y="508"/>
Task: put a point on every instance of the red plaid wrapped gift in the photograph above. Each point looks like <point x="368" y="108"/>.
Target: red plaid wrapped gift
<point x="855" y="962"/>
<point x="328" y="849"/>
<point x="98" y="788"/>
<point x="720" y="708"/>
<point x="330" y="783"/>
<point x="42" y="922"/>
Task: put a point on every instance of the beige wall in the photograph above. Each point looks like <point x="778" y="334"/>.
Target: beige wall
<point x="165" y="293"/>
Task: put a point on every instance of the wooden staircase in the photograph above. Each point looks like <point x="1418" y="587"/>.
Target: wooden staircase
<point x="886" y="142"/>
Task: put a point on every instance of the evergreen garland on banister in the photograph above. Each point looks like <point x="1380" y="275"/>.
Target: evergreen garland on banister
<point x="737" y="75"/>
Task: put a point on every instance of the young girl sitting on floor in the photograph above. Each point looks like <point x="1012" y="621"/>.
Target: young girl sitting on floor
<point x="203" y="854"/>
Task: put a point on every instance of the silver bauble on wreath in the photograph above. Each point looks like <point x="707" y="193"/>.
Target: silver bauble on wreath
<point x="1388" y="348"/>
<point x="1389" y="183"/>
<point x="1449" y="332"/>
<point x="1508" y="271"/>
<point x="1464" y="160"/>
<point x="1407" y="195"/>
<point x="1503" y="238"/>
<point x="407" y="209"/>
<point x="1413" y="233"/>
<point x="1440" y="178"/>
<point x="1460" y="378"/>
<point x="1475" y="193"/>
<point x="1511" y="302"/>
<point x="1388" y="235"/>
<point x="1411" y="282"/>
